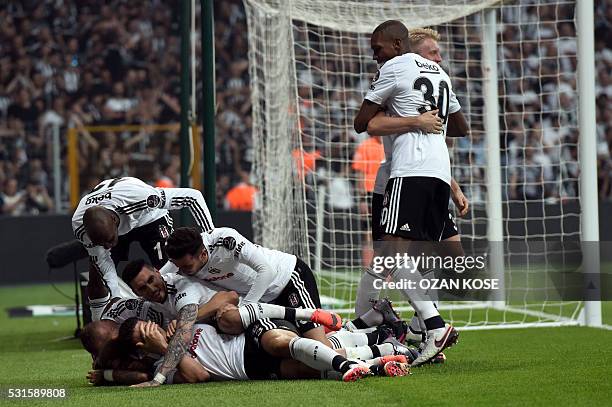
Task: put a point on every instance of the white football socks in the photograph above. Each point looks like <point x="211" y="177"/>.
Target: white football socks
<point x="369" y="352"/>
<point x="253" y="312"/>
<point x="418" y="297"/>
<point x="316" y="355"/>
<point x="348" y="339"/>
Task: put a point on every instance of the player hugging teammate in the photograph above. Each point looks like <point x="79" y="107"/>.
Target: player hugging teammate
<point x="409" y="91"/>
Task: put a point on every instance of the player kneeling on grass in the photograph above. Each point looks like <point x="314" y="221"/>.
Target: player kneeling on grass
<point x="225" y="260"/>
<point x="267" y="350"/>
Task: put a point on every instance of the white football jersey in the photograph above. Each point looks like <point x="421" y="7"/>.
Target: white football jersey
<point x="221" y="355"/>
<point x="127" y="308"/>
<point x="403" y="85"/>
<point x="183" y="290"/>
<point x="234" y="264"/>
<point x="137" y="204"/>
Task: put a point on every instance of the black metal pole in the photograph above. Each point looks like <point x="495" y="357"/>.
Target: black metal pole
<point x="185" y="22"/>
<point x="208" y="95"/>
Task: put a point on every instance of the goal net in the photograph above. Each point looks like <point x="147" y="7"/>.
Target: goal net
<point x="310" y="66"/>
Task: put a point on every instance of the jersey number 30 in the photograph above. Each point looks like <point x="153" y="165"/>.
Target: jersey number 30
<point x="443" y="95"/>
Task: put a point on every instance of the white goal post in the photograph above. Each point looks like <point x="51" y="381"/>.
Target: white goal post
<point x="513" y="66"/>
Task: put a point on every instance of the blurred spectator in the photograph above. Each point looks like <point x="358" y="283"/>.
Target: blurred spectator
<point x="14" y="200"/>
<point x="527" y="177"/>
<point x="241" y="197"/>
<point x="81" y="63"/>
<point x="366" y="161"/>
<point x="305" y="161"/>
<point x="604" y="178"/>
<point x="169" y="177"/>
<point x="37" y="199"/>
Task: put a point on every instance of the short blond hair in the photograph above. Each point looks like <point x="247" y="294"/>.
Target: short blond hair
<point x="417" y="35"/>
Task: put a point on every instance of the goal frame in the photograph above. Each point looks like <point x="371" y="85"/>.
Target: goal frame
<point x="589" y="313"/>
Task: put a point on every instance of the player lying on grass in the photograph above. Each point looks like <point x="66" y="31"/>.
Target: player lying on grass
<point x="377" y="347"/>
<point x="164" y="298"/>
<point x="267" y="350"/>
<point x="99" y="337"/>
<point x="225" y="260"/>
<point x="184" y="296"/>
<point x="109" y="314"/>
<point x="123" y="210"/>
<point x="147" y="282"/>
<point x="379" y="341"/>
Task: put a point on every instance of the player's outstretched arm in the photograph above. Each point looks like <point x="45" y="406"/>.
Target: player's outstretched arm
<point x="178" y="346"/>
<point x="383" y="125"/>
<point x="96" y="289"/>
<point x="177" y="198"/>
<point x="252" y="256"/>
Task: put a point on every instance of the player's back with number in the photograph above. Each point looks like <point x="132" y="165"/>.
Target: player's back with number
<point x="405" y="85"/>
<point x="136" y="202"/>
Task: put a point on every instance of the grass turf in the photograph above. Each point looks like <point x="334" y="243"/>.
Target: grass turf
<point x="569" y="366"/>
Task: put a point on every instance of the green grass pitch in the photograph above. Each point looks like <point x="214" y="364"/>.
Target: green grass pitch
<point x="544" y="366"/>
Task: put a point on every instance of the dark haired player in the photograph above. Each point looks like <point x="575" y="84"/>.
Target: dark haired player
<point x="423" y="41"/>
<point x="225" y="260"/>
<point x="172" y="291"/>
<point x="186" y="298"/>
<point x="263" y="352"/>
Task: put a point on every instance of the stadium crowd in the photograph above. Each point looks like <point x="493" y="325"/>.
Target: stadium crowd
<point x="73" y="64"/>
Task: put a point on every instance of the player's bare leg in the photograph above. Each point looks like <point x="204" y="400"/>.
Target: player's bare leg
<point x="318" y="334"/>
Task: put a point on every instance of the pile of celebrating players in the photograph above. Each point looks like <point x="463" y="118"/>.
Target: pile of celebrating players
<point x="211" y="305"/>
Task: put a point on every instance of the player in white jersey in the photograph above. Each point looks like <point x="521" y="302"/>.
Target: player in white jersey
<point x="269" y="349"/>
<point x="181" y="296"/>
<point x="225" y="260"/>
<point x="423" y="41"/>
<point x="163" y="305"/>
<point x="173" y="291"/>
<point x="415" y="206"/>
<point x="120" y="211"/>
